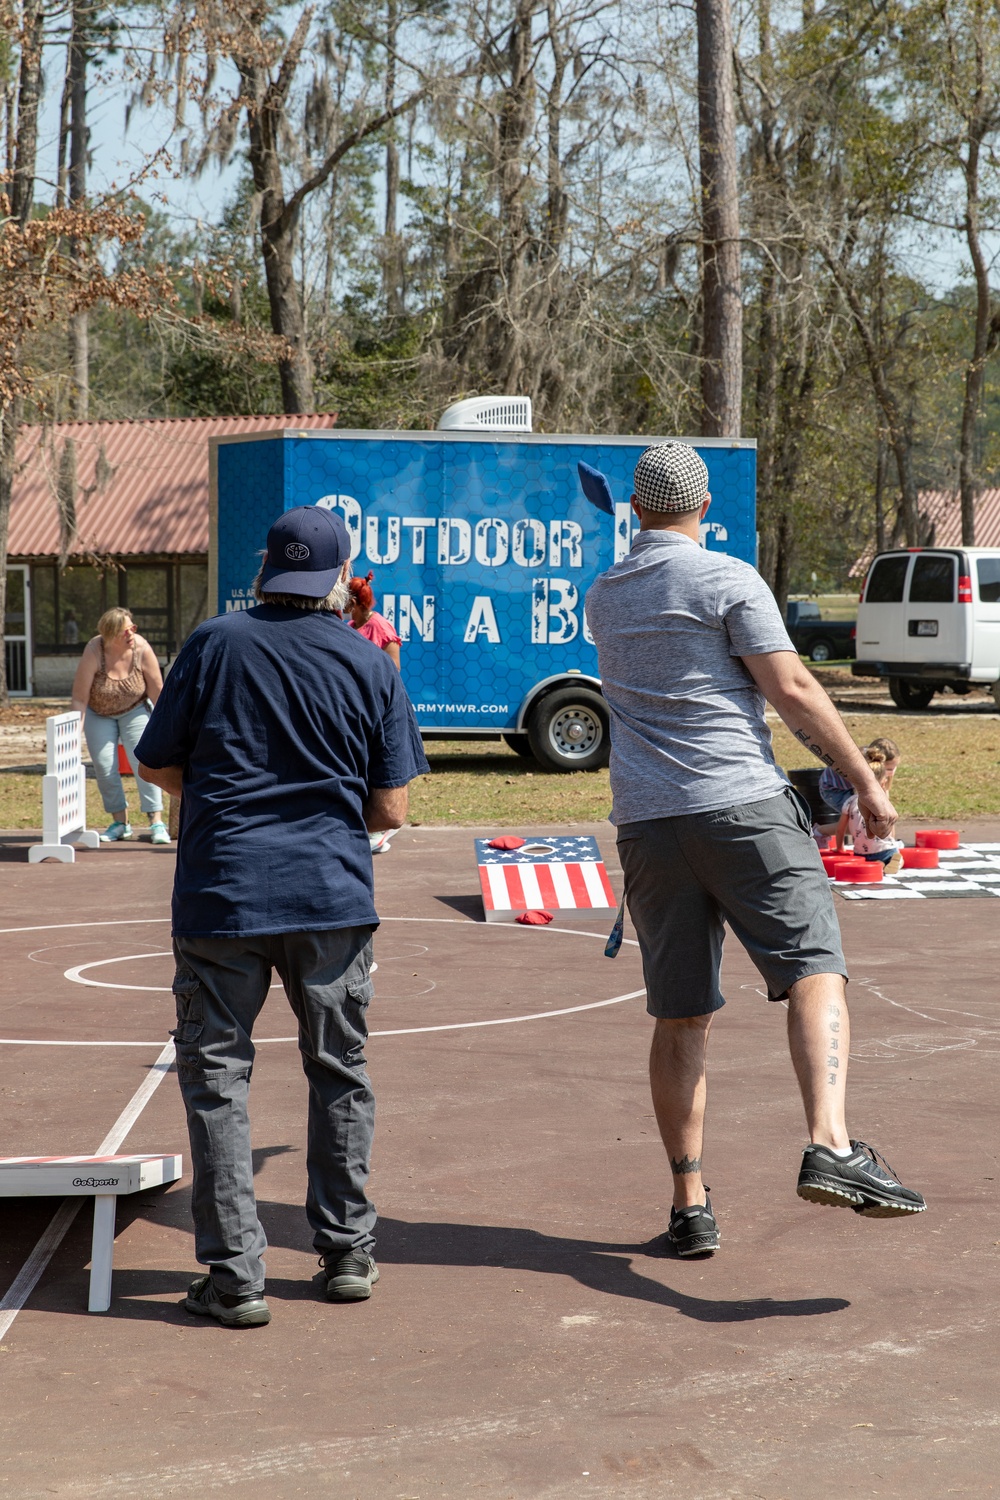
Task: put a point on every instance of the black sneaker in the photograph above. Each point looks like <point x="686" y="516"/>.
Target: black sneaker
<point x="863" y="1181"/>
<point x="349" y="1277"/>
<point x="693" y="1231"/>
<point x="228" y="1308"/>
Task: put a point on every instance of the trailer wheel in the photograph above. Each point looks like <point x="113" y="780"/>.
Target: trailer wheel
<point x="821" y="650"/>
<point x="906" y="694"/>
<point x="518" y="743"/>
<point x="569" y="731"/>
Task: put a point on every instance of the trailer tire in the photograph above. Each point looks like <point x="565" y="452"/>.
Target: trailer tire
<point x="569" y="730"/>
<point x="518" y="743"/>
<point x="907" y="694"/>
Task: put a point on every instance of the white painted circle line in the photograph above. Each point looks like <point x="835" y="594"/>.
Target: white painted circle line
<point x="265" y="1041"/>
<point x="76" y="974"/>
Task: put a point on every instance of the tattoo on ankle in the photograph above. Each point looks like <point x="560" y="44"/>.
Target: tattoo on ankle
<point x="685" y="1166"/>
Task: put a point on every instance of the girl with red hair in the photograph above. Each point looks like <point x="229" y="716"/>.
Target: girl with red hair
<point x="368" y="622"/>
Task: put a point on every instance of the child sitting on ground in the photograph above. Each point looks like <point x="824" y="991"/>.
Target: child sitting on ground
<point x="886" y="850"/>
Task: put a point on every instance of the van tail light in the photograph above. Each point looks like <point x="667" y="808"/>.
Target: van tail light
<point x="965" y="589"/>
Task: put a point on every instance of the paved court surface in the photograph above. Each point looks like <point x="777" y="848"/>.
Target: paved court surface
<point x="529" y="1339"/>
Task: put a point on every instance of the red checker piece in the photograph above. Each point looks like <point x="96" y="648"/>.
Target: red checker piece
<point x="920" y="859"/>
<point x="858" y="871"/>
<point x="937" y="838"/>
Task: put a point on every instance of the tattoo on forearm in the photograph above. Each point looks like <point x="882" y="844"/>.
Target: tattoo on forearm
<point x="686" y="1165"/>
<point x="810" y="744"/>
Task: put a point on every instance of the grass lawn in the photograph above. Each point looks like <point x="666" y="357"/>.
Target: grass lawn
<point x="950" y="769"/>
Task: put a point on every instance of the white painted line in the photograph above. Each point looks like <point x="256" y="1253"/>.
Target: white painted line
<point x="76" y="975"/>
<point x="31" y="1272"/>
<point x="58" y="926"/>
<point x="31" y="1041"/>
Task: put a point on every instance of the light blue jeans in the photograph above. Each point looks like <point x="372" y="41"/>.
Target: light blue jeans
<point x="103" y="734"/>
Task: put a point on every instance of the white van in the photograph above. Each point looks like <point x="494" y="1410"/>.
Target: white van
<point x="929" y="618"/>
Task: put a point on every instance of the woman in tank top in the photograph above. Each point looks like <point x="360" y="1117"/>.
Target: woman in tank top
<point x="117" y="678"/>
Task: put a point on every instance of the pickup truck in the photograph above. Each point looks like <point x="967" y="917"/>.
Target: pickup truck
<point x="819" y="639"/>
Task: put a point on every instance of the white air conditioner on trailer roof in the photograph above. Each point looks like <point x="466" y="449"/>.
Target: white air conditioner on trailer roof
<point x="488" y="414"/>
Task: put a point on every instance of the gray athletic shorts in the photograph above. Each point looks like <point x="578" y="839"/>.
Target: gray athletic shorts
<point x="755" y="867"/>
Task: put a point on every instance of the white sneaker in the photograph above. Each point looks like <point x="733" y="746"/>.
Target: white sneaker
<point x="116" y="831"/>
<point x="158" y="833"/>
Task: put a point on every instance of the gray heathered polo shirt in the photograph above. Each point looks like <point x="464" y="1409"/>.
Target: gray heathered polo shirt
<point x="671" y="622"/>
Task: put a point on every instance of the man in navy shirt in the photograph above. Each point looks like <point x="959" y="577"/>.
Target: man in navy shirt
<point x="292" y="739"/>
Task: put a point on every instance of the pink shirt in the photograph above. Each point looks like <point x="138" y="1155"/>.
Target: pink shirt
<point x="377" y="630"/>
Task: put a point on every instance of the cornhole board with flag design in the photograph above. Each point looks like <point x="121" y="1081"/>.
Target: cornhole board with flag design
<point x="564" y="876"/>
<point x="102" y="1178"/>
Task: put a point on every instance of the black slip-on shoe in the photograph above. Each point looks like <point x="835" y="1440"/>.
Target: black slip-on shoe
<point x="349" y="1277"/>
<point x="863" y="1181"/>
<point x="228" y="1308"/>
<point x="693" y="1231"/>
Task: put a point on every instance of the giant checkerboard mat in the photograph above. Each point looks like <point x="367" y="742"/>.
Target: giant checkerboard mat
<point x="969" y="870"/>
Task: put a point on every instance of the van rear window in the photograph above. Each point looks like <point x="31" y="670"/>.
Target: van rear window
<point x="933" y="581"/>
<point x="988" y="573"/>
<point x="885" y="586"/>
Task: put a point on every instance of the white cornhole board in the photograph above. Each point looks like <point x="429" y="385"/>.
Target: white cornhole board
<point x="64" y="794"/>
<point x="102" y="1178"/>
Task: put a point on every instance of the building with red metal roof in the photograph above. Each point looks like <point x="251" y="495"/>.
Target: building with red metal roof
<point x="107" y="513"/>
<point x="941" y="523"/>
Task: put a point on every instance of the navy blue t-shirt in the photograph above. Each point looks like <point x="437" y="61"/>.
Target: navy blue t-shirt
<point x="282" y="719"/>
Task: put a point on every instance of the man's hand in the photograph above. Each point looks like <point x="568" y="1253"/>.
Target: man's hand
<point x="878" y="813"/>
<point x="169" y="779"/>
<point x="386" y="808"/>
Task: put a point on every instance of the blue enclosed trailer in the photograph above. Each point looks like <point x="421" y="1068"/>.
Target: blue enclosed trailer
<point x="483" y="546"/>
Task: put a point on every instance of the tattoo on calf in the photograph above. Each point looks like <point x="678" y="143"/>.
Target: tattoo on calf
<point x="833" y="1013"/>
<point x="686" y="1165"/>
<point x="810" y="744"/>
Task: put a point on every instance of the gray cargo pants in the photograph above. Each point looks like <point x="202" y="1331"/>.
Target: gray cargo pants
<point x="220" y="986"/>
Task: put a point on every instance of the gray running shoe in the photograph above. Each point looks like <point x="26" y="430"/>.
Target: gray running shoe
<point x="863" y="1181"/>
<point x="228" y="1308"/>
<point x="693" y="1231"/>
<point x="349" y="1277"/>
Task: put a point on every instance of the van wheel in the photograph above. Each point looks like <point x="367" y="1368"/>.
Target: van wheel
<point x="995" y="690"/>
<point x="518" y="743"/>
<point x="569" y="731"/>
<point x="821" y="651"/>
<point x="906" y="694"/>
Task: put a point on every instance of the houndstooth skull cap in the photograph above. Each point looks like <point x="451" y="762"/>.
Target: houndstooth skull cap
<point x="670" y="477"/>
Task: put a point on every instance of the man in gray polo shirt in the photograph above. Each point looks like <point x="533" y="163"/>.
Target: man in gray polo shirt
<point x="690" y="645"/>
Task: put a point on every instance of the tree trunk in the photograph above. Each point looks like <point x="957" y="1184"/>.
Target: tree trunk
<point x="79" y="328"/>
<point x="722" y="306"/>
<point x="277" y="236"/>
<point x="975" y="370"/>
<point x="21" y="194"/>
<point x="516" y="120"/>
<point x="392" y="265"/>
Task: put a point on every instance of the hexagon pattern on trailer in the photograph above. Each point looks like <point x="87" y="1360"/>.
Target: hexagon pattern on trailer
<point x="482" y="550"/>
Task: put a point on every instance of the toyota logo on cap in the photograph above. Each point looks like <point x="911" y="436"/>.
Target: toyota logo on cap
<point x="297" y="552"/>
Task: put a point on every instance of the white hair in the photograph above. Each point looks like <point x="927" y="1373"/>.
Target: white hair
<point x="335" y="602"/>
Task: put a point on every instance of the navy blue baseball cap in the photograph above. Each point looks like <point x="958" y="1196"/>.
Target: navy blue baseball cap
<point x="306" y="549"/>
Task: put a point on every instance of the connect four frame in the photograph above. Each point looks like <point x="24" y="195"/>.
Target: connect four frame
<point x="64" y="794"/>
